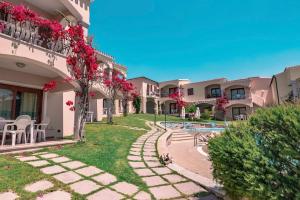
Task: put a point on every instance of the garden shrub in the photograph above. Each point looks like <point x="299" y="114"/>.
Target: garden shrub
<point x="260" y="159"/>
<point x="137" y="104"/>
<point x="206" y="115"/>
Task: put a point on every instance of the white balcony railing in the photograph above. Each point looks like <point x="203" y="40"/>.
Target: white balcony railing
<point x="28" y="32"/>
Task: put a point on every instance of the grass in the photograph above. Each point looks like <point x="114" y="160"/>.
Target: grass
<point x="15" y="175"/>
<point x="106" y="147"/>
<point x="138" y="120"/>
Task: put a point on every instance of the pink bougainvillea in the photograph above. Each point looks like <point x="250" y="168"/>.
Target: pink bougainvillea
<point x="178" y="97"/>
<point x="221" y="103"/>
<point x="51" y="85"/>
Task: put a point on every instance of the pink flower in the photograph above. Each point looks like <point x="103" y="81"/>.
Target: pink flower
<point x="49" y="86"/>
<point x="69" y="103"/>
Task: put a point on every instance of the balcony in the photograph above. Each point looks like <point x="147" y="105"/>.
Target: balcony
<point x="31" y="34"/>
<point x="237" y="96"/>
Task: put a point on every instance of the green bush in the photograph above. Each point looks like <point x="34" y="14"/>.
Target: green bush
<point x="137" y="104"/>
<point x="191" y="109"/>
<point x="260" y="159"/>
<point x="206" y="115"/>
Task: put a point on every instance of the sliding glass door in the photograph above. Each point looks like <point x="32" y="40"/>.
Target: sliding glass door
<point x="16" y="101"/>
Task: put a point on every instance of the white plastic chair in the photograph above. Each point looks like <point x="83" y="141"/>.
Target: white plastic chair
<point x="17" y="129"/>
<point x="40" y="130"/>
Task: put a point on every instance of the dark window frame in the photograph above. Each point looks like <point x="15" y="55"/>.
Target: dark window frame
<point x="215" y="89"/>
<point x="243" y="96"/>
<point x="239" y="111"/>
<point x="190" y="91"/>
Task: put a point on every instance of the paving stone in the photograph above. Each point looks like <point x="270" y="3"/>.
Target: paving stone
<point x="137" y="164"/>
<point x="142" y="196"/>
<point x="208" y="197"/>
<point x="89" y="171"/>
<point x="84" y="187"/>
<point x="61" y="195"/>
<point x="105" y="194"/>
<point x="147" y="153"/>
<point x="189" y="188"/>
<point x="105" y="179"/>
<point x="134" y="158"/>
<point x="164" y="192"/>
<point x="55" y="169"/>
<point x="39" y="153"/>
<point x="136" y="149"/>
<point x="144" y="172"/>
<point x="125" y="188"/>
<point x="39" y="163"/>
<point x="49" y="155"/>
<point x="28" y="158"/>
<point x="173" y="178"/>
<point x="8" y="196"/>
<point x="153" y="164"/>
<point x="135" y="153"/>
<point x="60" y="159"/>
<point x="150" y="158"/>
<point x="154" y="181"/>
<point x="73" y="164"/>
<point x="39" y="186"/>
<point x="68" y="177"/>
<point x="137" y="145"/>
<point x="162" y="170"/>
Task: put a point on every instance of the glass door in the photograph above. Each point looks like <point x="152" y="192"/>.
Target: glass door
<point x="6" y="103"/>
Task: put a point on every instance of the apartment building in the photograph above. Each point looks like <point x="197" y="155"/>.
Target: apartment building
<point x="244" y="95"/>
<point x="27" y="62"/>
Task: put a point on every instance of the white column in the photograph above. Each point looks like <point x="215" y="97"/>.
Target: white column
<point x="44" y="106"/>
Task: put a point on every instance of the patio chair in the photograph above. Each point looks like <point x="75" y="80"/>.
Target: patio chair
<point x="40" y="130"/>
<point x="17" y="129"/>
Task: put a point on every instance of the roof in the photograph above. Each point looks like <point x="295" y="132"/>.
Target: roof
<point x="142" y="77"/>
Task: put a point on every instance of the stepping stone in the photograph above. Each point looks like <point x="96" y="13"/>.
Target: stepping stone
<point x="39" y="163"/>
<point x="134" y="158"/>
<point x="154" y="164"/>
<point x="136" y="149"/>
<point x="125" y="188"/>
<point x="164" y="192"/>
<point x="137" y="164"/>
<point x="150" y="158"/>
<point x="105" y="179"/>
<point x="29" y="158"/>
<point x="189" y="188"/>
<point x="142" y="196"/>
<point x="147" y="153"/>
<point x="55" y="169"/>
<point x="144" y="172"/>
<point x="162" y="170"/>
<point x="49" y="155"/>
<point x="39" y="153"/>
<point x="39" y="186"/>
<point x="73" y="164"/>
<point x="154" y="181"/>
<point x="68" y="177"/>
<point x="173" y="178"/>
<point x="89" y="171"/>
<point x="61" y="195"/>
<point x="8" y="196"/>
<point x="137" y="145"/>
<point x="135" y="153"/>
<point x="105" y="194"/>
<point x="60" y="159"/>
<point x="84" y="187"/>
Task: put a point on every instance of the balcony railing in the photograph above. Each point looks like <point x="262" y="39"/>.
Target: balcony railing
<point x="238" y="96"/>
<point x="28" y="32"/>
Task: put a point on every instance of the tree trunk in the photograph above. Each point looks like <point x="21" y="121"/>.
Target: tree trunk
<point x="110" y="111"/>
<point x="125" y="107"/>
<point x="81" y="110"/>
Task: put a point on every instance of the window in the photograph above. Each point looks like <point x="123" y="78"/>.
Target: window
<point x="173" y="90"/>
<point x="237" y="111"/>
<point x="16" y="101"/>
<point x="148" y="89"/>
<point x="238" y="93"/>
<point x="190" y="91"/>
<point x="215" y="92"/>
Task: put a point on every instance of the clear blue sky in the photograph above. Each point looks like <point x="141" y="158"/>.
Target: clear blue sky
<point x="198" y="39"/>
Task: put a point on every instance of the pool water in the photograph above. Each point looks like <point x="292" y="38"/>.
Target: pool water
<point x="195" y="127"/>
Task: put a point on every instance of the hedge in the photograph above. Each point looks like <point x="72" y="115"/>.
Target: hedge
<point x="260" y="159"/>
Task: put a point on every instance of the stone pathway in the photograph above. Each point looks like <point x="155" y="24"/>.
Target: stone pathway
<point x="89" y="181"/>
<point x="163" y="183"/>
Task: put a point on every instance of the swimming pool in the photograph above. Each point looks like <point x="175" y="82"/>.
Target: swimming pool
<point x="195" y="127"/>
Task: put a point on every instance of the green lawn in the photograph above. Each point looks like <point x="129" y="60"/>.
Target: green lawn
<point x="138" y="120"/>
<point x="106" y="147"/>
<point x="15" y="175"/>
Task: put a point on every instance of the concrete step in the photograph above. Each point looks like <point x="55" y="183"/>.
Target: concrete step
<point x="181" y="139"/>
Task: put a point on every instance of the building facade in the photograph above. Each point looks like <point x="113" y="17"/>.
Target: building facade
<point x="27" y="62"/>
<point x="244" y="95"/>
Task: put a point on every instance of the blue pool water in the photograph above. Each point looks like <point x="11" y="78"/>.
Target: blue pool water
<point x="188" y="126"/>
